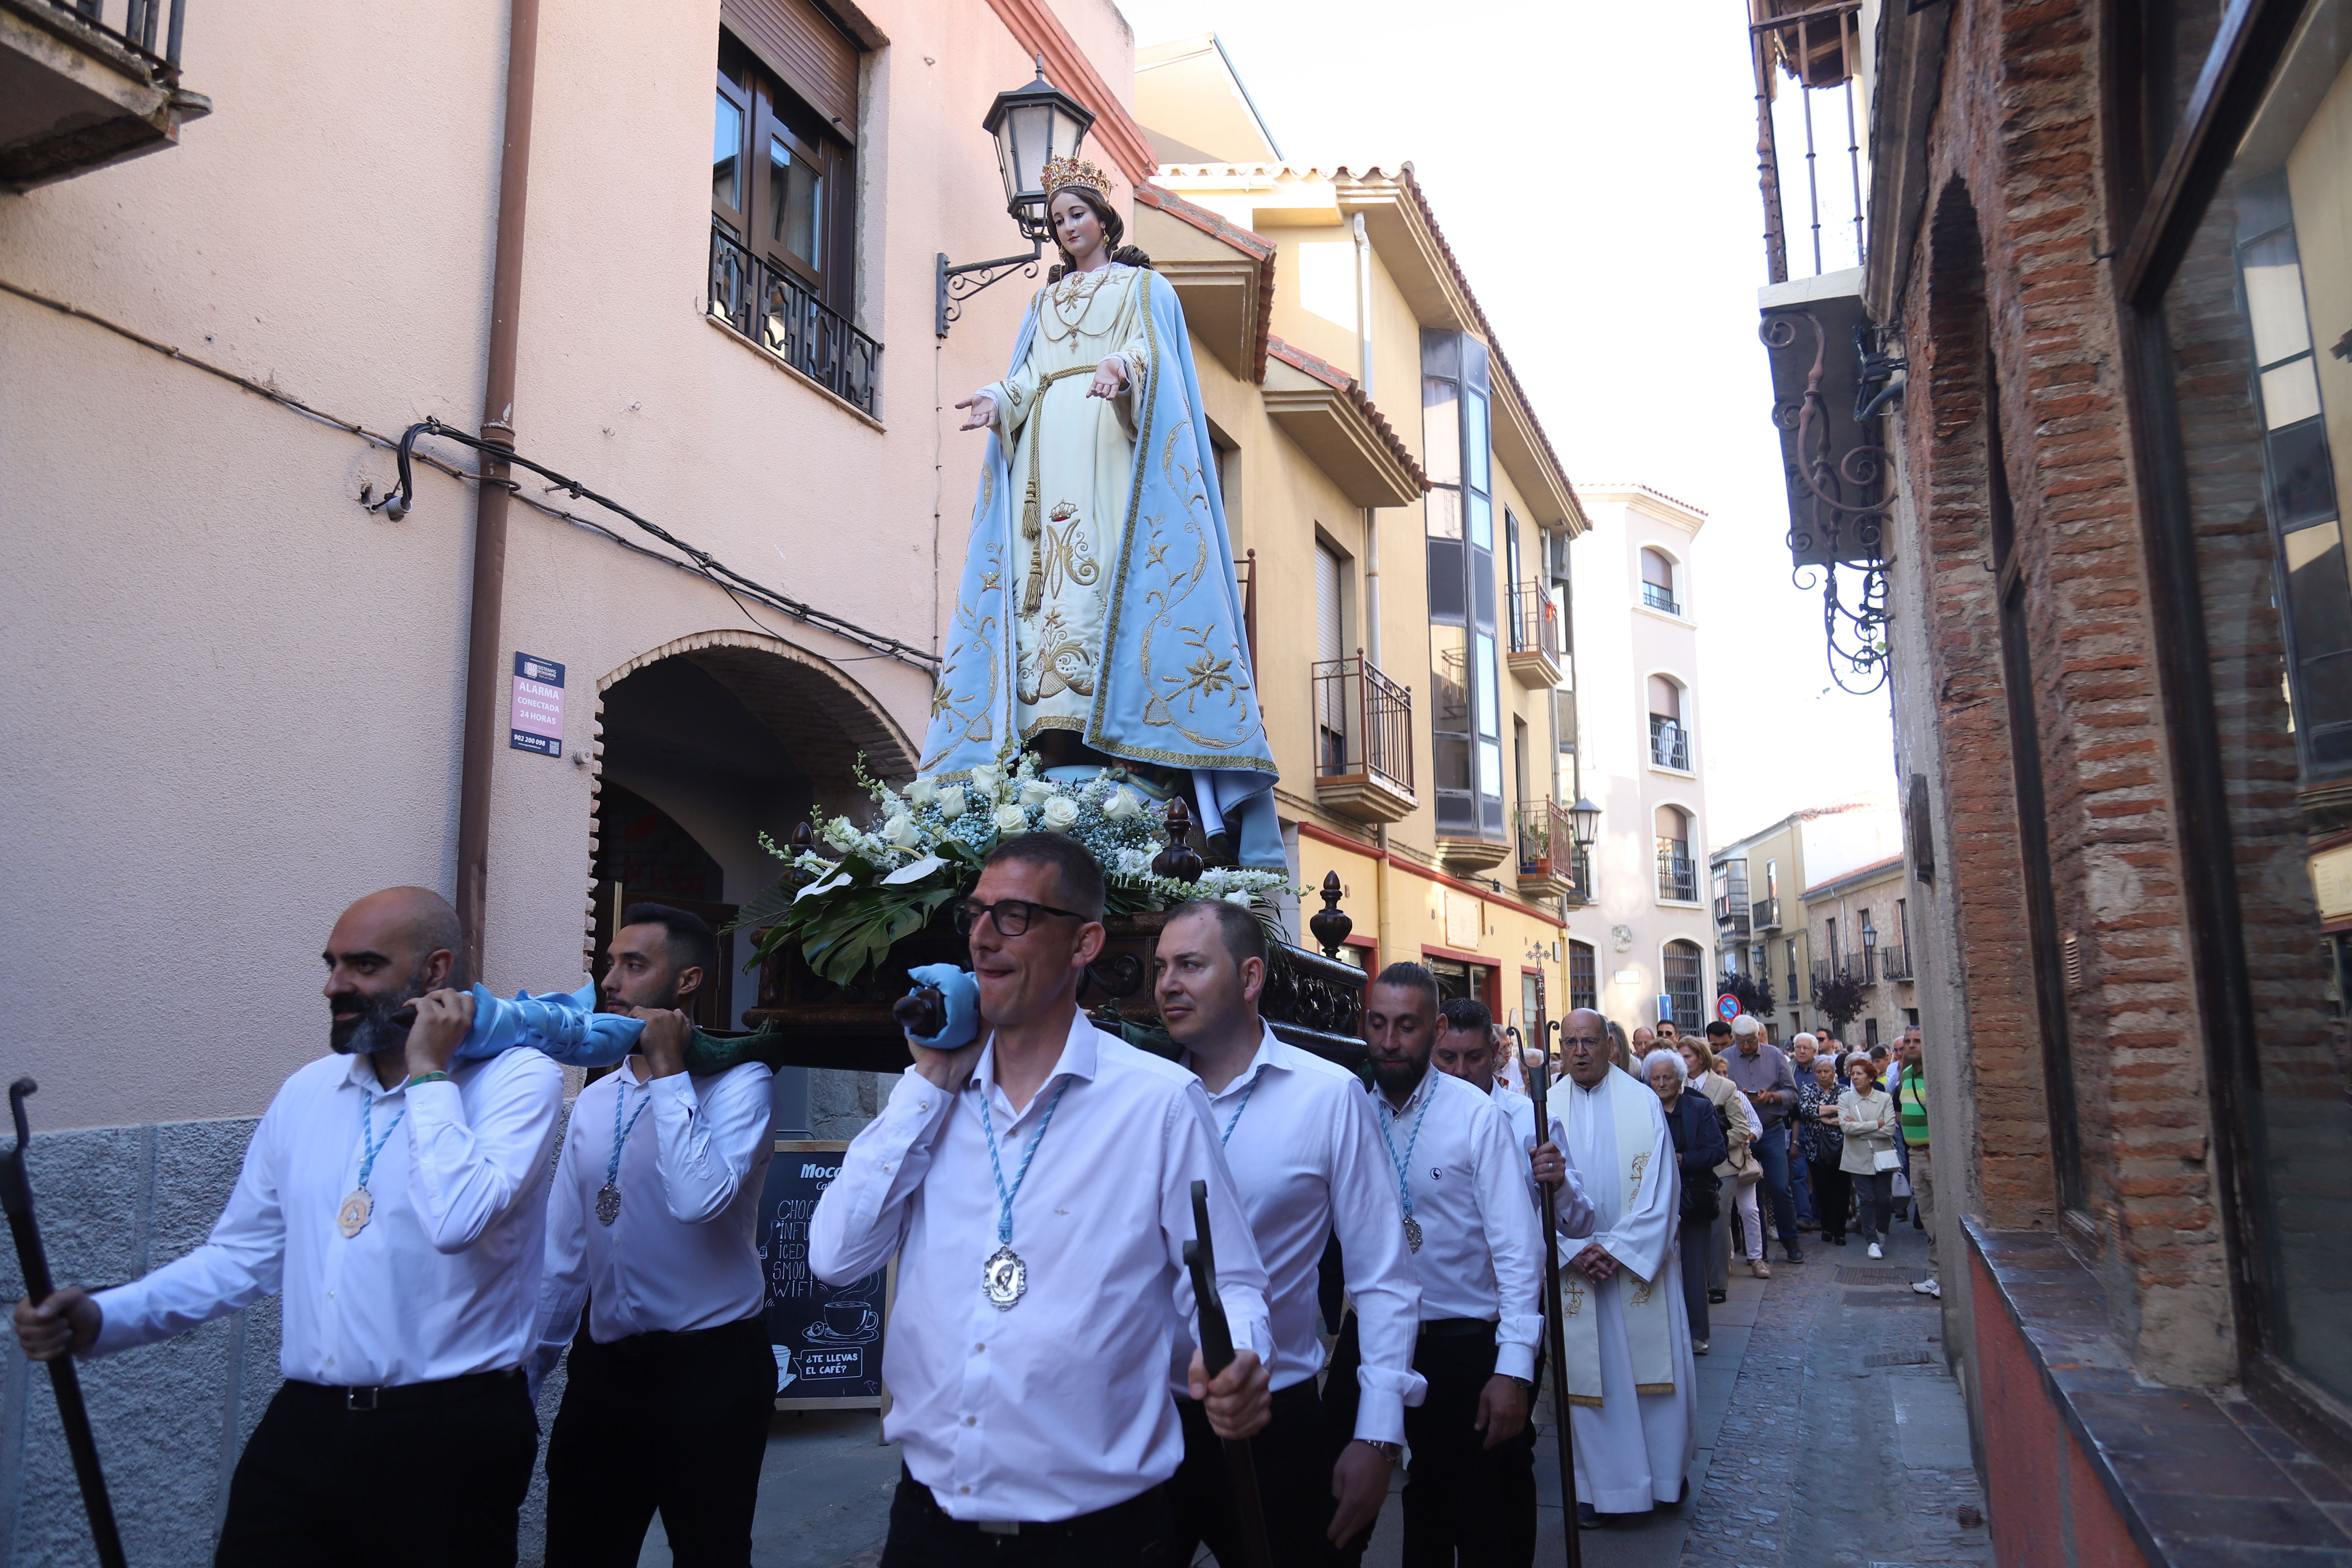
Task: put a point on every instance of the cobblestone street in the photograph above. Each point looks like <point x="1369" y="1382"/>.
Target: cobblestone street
<point x="1830" y="1433"/>
<point x="1846" y="1440"/>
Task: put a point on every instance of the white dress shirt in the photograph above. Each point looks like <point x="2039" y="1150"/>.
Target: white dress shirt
<point x="1058" y="1405"/>
<point x="441" y="1282"/>
<point x="1481" y="1251"/>
<point x="1305" y="1152"/>
<point x="682" y="1253"/>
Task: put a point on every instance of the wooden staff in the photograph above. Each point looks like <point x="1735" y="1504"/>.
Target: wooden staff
<point x="16" y="1197"/>
<point x="1539" y="1088"/>
<point x="1216" y="1354"/>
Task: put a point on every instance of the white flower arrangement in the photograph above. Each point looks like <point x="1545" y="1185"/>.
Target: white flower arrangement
<point x="937" y="833"/>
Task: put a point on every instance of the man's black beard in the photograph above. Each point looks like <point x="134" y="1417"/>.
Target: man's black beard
<point x="373" y="1029"/>
<point x="1397" y="1076"/>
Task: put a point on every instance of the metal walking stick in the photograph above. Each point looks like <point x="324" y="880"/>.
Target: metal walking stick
<point x="1216" y="1354"/>
<point x="1538" y="1091"/>
<point x="16" y="1197"/>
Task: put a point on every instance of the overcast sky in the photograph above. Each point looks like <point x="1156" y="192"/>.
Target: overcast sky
<point x="1594" y="168"/>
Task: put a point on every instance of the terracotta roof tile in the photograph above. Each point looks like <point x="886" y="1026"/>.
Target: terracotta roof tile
<point x="1250" y="244"/>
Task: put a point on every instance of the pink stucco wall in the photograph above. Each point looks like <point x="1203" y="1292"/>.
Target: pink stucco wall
<point x="233" y="695"/>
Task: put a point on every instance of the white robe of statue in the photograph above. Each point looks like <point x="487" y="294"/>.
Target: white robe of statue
<point x="1632" y="1452"/>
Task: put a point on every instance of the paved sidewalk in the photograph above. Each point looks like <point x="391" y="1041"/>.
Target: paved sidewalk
<point x="1829" y="1434"/>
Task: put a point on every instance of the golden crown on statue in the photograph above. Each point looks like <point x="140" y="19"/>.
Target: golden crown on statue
<point x="1064" y="172"/>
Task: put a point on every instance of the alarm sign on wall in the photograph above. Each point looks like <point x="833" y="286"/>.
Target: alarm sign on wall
<point x="535" y="717"/>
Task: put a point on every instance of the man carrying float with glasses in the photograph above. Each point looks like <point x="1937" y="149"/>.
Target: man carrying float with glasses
<point x="1036" y="1186"/>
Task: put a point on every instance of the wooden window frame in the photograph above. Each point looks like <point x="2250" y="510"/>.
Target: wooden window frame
<point x="772" y="109"/>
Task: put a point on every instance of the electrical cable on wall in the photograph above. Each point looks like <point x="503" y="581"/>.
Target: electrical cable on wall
<point x="699" y="563"/>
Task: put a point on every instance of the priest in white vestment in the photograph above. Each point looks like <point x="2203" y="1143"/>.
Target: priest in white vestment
<point x="1631" y="1379"/>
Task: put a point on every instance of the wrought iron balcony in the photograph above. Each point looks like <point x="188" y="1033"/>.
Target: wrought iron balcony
<point x="1660" y="598"/>
<point x="771" y="306"/>
<point x="1363" y="741"/>
<point x="1893" y="961"/>
<point x="1669" y="743"/>
<point x="1536" y="644"/>
<point x="88" y="83"/>
<point x="1677" y="877"/>
<point x="1547" y="847"/>
<point x="1765" y="914"/>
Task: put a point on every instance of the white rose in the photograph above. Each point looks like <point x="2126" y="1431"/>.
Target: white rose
<point x="986" y="777"/>
<point x="1239" y="896"/>
<point x="1061" y="813"/>
<point x="1011" y="818"/>
<point x="1122" y="805"/>
<point x="902" y="832"/>
<point x="1036" y="793"/>
<point x="951" y="805"/>
<point x="923" y="793"/>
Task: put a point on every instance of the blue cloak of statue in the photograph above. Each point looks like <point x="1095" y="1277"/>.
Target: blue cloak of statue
<point x="1175" y="687"/>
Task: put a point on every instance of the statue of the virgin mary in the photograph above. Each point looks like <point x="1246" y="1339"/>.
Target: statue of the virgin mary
<point x="1097" y="622"/>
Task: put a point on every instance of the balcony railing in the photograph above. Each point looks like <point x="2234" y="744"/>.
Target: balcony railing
<point x="1580" y="876"/>
<point x="1766" y="913"/>
<point x="1677" y="877"/>
<point x="1893" y="961"/>
<point x="1363" y="728"/>
<point x="142" y="22"/>
<point x="775" y="309"/>
<point x="1818" y="47"/>
<point x="1669" y="743"/>
<point x="1535" y="622"/>
<point x="1659" y="598"/>
<point x="1546" y="841"/>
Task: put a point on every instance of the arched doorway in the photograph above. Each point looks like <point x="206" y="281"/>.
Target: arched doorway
<point x="706" y="743"/>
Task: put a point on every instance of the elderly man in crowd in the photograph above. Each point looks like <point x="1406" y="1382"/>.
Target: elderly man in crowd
<point x="1910" y="1092"/>
<point x="1762" y="1072"/>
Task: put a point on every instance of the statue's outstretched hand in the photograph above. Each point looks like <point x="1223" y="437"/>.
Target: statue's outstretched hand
<point x="983" y="411"/>
<point x="1110" y="378"/>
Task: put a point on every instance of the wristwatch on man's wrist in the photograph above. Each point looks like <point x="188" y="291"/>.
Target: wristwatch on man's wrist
<point x="1526" y="1385"/>
<point x="1392" y="1452"/>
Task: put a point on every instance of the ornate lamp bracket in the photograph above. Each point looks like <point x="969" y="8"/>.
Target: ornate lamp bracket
<point x="957" y="283"/>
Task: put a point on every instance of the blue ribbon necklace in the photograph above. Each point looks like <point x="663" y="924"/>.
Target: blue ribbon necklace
<point x="1004" y="1279"/>
<point x="360" y="1207"/>
<point x="1404" y="1188"/>
<point x="1236" y="1120"/>
<point x="608" y="1196"/>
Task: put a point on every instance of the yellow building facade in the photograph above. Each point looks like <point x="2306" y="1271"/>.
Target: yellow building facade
<point x="1398" y="515"/>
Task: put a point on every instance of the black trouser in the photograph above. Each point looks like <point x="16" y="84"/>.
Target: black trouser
<point x="1874" y="1191"/>
<point x="1294" y="1485"/>
<point x="1693" y="1239"/>
<point x="435" y="1473"/>
<point x="1131" y="1535"/>
<point x="673" y="1422"/>
<point x="1460" y="1496"/>
<point x="1832" y="1191"/>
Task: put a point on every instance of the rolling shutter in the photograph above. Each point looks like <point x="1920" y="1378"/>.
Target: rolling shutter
<point x="801" y="45"/>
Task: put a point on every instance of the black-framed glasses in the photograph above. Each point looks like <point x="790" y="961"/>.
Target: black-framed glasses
<point x="1012" y="915"/>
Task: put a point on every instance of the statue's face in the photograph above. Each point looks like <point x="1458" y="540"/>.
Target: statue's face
<point x="1075" y="227"/>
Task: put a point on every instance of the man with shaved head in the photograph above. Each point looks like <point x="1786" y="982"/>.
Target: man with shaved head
<point x="397" y="1202"/>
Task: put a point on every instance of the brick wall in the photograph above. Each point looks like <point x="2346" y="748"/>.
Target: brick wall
<point x="2015" y="161"/>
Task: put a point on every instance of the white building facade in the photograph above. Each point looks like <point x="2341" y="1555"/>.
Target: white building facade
<point x="1642" y="947"/>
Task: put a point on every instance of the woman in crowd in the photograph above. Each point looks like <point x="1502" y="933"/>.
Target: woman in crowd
<point x="1699" y="1147"/>
<point x="1819" y="1144"/>
<point x="1619" y="1051"/>
<point x="1866" y="1122"/>
<point x="1740" y="1125"/>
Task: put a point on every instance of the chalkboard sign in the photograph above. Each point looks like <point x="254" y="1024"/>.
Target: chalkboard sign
<point x="827" y="1339"/>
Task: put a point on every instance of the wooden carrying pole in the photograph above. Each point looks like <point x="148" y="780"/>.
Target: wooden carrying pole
<point x="16" y="1197"/>
<point x="1539" y="1089"/>
<point x="1216" y="1354"/>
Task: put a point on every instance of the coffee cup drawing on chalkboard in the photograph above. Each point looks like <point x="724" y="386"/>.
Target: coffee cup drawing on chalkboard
<point x="845" y="1322"/>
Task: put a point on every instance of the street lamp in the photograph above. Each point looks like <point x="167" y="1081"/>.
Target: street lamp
<point x="1586" y="817"/>
<point x="1030" y="125"/>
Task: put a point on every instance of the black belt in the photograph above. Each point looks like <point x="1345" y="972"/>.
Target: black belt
<point x="921" y="1495"/>
<point x="1458" y="1328"/>
<point x="408" y="1396"/>
<point x="660" y="1342"/>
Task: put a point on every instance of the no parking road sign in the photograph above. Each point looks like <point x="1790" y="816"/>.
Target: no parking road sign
<point x="1726" y="1007"/>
